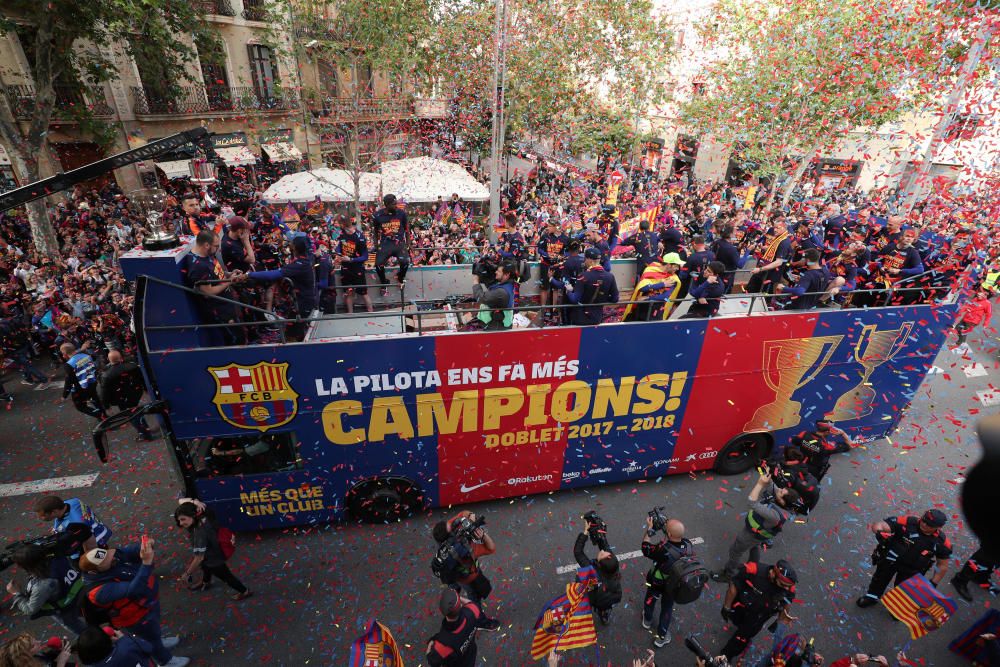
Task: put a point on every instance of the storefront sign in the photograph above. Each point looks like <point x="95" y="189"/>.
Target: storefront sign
<point x="230" y="140"/>
<point x="277" y="135"/>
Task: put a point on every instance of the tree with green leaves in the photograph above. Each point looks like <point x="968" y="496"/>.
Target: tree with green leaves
<point x="70" y="42"/>
<point x="796" y="77"/>
<point x="562" y="57"/>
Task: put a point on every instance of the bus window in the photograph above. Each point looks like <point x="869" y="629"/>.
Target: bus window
<point x="243" y="455"/>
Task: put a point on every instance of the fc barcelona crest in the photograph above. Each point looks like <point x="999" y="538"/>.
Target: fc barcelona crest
<point x="257" y="397"/>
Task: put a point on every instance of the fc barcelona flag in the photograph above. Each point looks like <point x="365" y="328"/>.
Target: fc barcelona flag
<point x="375" y="648"/>
<point x="567" y="622"/>
<point x="919" y="605"/>
<point x="970" y="646"/>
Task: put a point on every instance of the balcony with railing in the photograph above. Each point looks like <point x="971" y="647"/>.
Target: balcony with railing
<point x="255" y="10"/>
<point x="198" y="100"/>
<point x="215" y="7"/>
<point x="71" y="101"/>
<point x="354" y="109"/>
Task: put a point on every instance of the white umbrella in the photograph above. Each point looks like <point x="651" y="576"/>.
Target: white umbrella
<point x="330" y="185"/>
<point x="424" y="179"/>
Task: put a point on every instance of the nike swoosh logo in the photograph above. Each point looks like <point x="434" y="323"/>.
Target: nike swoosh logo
<point x="466" y="489"/>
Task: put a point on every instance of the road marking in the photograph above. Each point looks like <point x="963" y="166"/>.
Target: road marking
<point x="975" y="370"/>
<point x="51" y="484"/>
<point x="989" y="397"/>
<point x="564" y="569"/>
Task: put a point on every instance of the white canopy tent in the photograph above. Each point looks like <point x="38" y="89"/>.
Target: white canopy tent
<point x="330" y="185"/>
<point x="424" y="179"/>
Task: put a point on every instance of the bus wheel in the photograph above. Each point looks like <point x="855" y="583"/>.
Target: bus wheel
<point x="384" y="499"/>
<point x="742" y="453"/>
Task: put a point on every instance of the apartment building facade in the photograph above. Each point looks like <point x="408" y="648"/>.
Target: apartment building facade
<point x="271" y="105"/>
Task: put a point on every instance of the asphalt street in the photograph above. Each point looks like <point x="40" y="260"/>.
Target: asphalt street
<point x="315" y="588"/>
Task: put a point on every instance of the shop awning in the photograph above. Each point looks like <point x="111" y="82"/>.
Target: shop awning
<point x="282" y="151"/>
<point x="236" y="156"/>
<point x="175" y="168"/>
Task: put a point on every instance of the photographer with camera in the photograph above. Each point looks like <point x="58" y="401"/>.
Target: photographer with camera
<point x="608" y="591"/>
<point x="497" y="298"/>
<point x="792" y="472"/>
<point x="676" y="576"/>
<point x="454" y="645"/>
<point x="768" y="513"/>
<point x="462" y="541"/>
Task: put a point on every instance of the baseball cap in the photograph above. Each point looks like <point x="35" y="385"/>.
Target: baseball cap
<point x="449" y="602"/>
<point x="934" y="518"/>
<point x="237" y="223"/>
<point x="592" y="253"/>
<point x="784" y="573"/>
<point x="673" y="258"/>
<point x="95" y="558"/>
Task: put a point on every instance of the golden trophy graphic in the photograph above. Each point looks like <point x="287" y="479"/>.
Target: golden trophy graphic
<point x="788" y="365"/>
<point x="880" y="347"/>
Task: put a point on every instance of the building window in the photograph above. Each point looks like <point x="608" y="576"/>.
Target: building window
<point x="264" y="74"/>
<point x="329" y="81"/>
<point x="964" y="126"/>
<point x="365" y="81"/>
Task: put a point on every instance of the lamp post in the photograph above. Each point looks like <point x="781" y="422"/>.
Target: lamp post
<point x="496" y="149"/>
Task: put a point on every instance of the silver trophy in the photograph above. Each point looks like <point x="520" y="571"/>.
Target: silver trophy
<point x="151" y="202"/>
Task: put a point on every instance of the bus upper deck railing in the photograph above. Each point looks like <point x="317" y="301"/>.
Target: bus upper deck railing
<point x="755" y="300"/>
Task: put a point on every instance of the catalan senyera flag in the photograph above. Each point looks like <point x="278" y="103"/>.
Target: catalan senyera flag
<point x="567" y="621"/>
<point x="375" y="648"/>
<point x="970" y="646"/>
<point x="918" y="605"/>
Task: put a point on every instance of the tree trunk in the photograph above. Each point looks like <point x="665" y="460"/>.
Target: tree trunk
<point x="770" y="195"/>
<point x="804" y="163"/>
<point x="29" y="148"/>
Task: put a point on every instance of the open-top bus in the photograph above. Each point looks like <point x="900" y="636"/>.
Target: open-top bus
<point x="374" y="418"/>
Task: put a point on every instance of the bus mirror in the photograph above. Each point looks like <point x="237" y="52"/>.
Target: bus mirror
<point x="119" y="419"/>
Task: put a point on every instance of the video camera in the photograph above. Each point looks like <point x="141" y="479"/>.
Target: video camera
<point x="598" y="530"/>
<point x="60" y="544"/>
<point x="465" y="528"/>
<point x="659" y="518"/>
<point x="695" y="647"/>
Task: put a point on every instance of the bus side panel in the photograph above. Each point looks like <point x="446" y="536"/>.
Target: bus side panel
<point x="730" y="394"/>
<point x="520" y="447"/>
<point x="634" y="432"/>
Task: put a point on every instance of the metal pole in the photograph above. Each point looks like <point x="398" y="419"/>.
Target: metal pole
<point x="918" y="180"/>
<point x="496" y="148"/>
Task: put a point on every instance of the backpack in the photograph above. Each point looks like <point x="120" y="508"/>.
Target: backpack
<point x="446" y="564"/>
<point x="685" y="579"/>
<point x="227" y="541"/>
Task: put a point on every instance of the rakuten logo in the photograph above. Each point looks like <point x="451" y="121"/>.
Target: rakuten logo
<point x="515" y="481"/>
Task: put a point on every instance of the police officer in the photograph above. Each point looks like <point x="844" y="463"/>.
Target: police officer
<point x="663" y="554"/>
<point x="454" y="645"/>
<point x="608" y="591"/>
<point x="81" y="381"/>
<point x="978" y="569"/>
<point x="768" y="513"/>
<point x="594" y="288"/>
<point x="819" y="445"/>
<point x="756" y="594"/>
<point x="391" y="227"/>
<point x="908" y="545"/>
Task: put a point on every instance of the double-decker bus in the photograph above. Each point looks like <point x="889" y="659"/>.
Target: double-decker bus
<point x="373" y="418"/>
